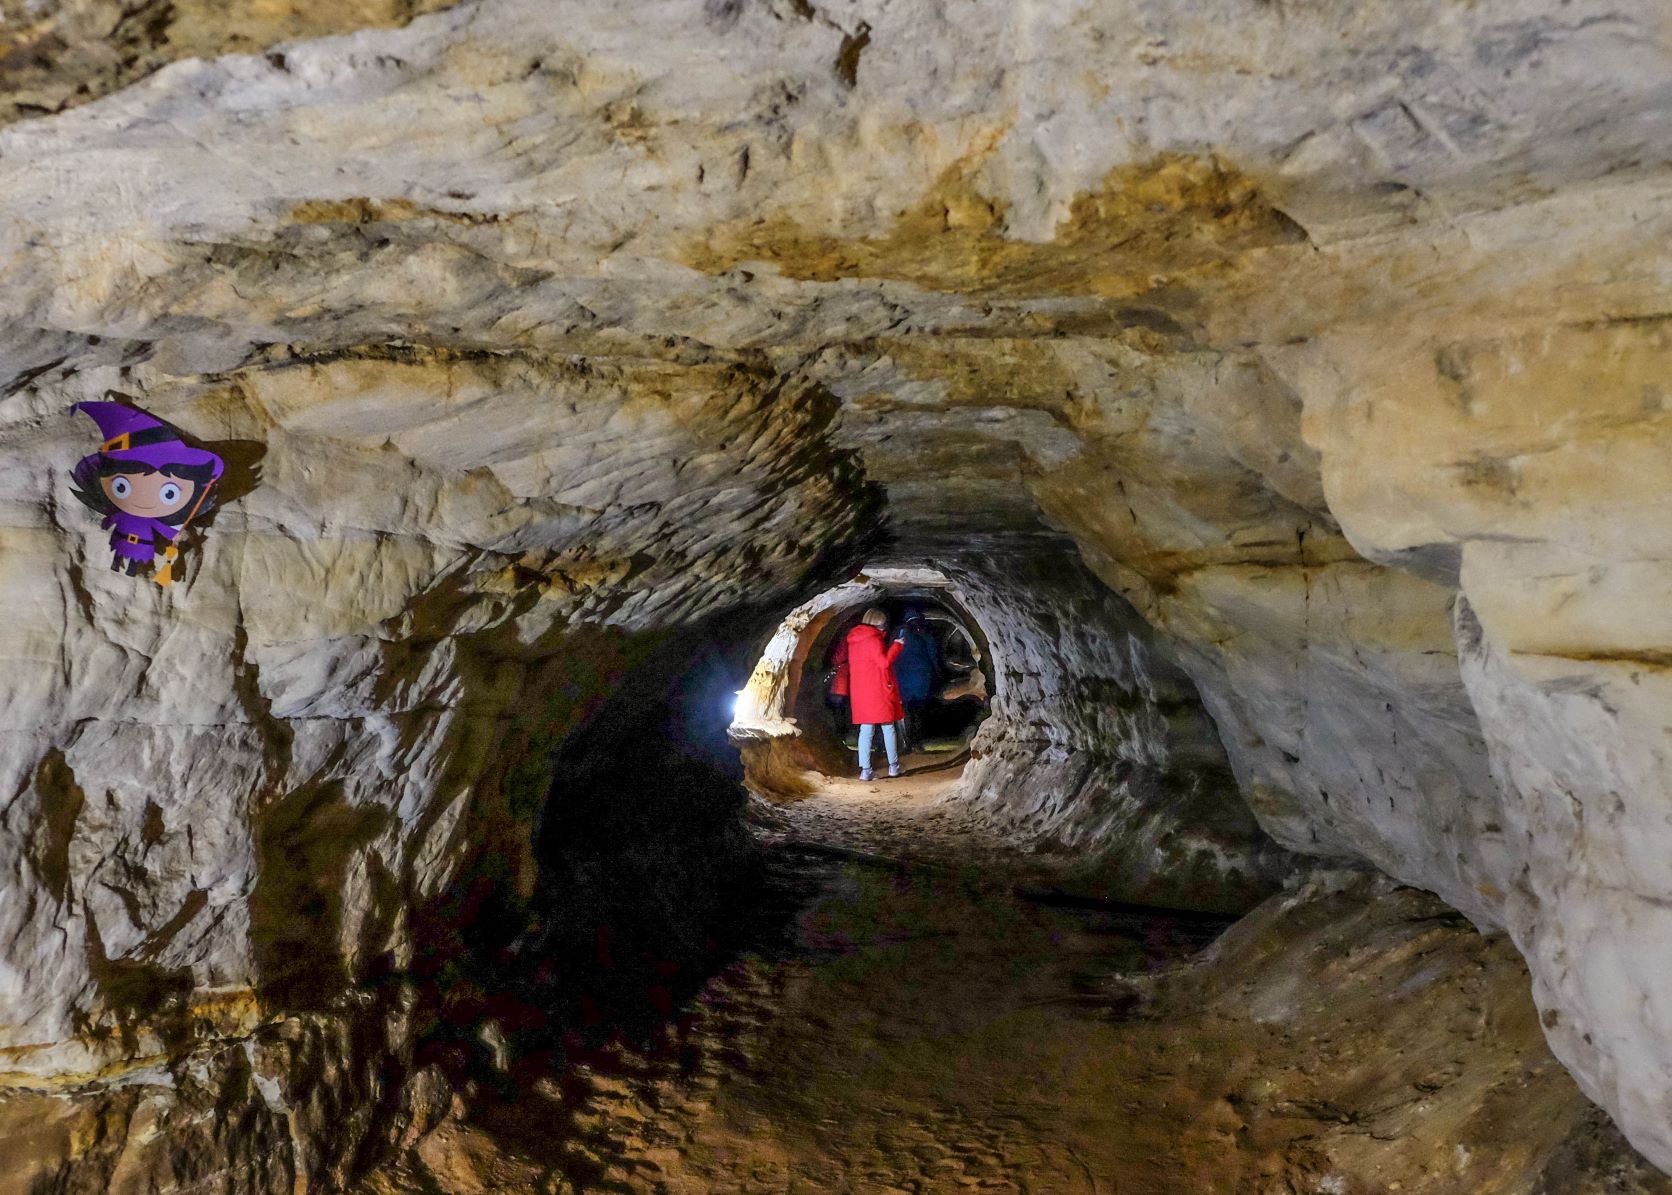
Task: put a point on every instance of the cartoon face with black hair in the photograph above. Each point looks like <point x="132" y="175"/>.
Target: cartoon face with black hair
<point x="163" y="494"/>
<point x="146" y="481"/>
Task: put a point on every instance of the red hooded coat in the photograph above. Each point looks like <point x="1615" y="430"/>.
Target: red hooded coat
<point x="839" y="683"/>
<point x="873" y="691"/>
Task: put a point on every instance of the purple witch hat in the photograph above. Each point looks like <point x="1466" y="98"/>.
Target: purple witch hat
<point x="132" y="435"/>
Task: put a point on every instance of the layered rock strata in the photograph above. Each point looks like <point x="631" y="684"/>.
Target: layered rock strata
<point x="1332" y="337"/>
<point x="285" y="787"/>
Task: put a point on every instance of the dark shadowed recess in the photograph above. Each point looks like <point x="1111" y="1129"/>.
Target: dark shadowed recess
<point x="647" y="877"/>
<point x="647" y="882"/>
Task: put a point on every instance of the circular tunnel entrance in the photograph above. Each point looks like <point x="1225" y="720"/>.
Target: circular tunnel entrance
<point x="941" y="722"/>
<point x="790" y="720"/>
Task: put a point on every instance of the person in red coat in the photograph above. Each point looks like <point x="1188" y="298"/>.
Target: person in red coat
<point x="836" y="698"/>
<point x="872" y="689"/>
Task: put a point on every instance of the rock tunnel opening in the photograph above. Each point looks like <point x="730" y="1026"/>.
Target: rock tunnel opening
<point x="789" y="715"/>
<point x="670" y="907"/>
<point x="946" y="716"/>
<point x="1082" y="743"/>
<point x="1277" y="395"/>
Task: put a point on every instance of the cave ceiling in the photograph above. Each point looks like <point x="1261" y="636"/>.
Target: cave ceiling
<point x="1332" y="337"/>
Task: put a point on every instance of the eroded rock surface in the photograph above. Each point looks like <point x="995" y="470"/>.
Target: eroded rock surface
<point x="55" y="54"/>
<point x="1332" y="337"/>
<point x="1351" y="1037"/>
<point x="1096" y="744"/>
<point x="283" y="786"/>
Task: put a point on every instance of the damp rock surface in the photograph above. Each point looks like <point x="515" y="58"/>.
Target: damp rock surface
<point x="1332" y="338"/>
<point x="930" y="1013"/>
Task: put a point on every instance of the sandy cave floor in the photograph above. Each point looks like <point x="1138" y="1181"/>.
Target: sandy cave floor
<point x="929" y="1024"/>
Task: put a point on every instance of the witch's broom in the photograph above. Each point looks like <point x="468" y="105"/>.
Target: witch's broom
<point x="165" y="575"/>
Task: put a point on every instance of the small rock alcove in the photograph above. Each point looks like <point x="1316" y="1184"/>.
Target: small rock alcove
<point x="790" y="732"/>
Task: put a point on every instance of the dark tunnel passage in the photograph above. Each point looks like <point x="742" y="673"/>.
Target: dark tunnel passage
<point x="742" y="974"/>
<point x="444" y="443"/>
<point x="737" y="975"/>
<point x="645" y="976"/>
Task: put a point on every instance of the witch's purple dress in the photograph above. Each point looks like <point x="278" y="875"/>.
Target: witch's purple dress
<point x="134" y="537"/>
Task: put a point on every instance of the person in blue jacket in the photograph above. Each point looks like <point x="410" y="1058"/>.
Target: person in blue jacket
<point x="916" y="668"/>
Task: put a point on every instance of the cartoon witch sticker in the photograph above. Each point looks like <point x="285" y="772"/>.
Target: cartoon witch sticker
<point x="147" y="482"/>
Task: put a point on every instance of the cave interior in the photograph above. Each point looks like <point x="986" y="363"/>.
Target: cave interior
<point x="1265" y="402"/>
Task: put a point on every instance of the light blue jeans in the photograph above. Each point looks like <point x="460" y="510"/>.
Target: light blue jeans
<point x="867" y="732"/>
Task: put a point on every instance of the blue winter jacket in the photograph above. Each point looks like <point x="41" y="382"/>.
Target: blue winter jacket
<point x="917" y="664"/>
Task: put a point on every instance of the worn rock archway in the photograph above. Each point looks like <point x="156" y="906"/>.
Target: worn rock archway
<point x="1095" y="741"/>
<point x="1281" y="387"/>
<point x="777" y="721"/>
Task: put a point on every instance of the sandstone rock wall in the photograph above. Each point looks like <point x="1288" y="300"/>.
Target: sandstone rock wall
<point x="1332" y="335"/>
<point x="1536" y="460"/>
<point x="1100" y="745"/>
<point x="279" y="788"/>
